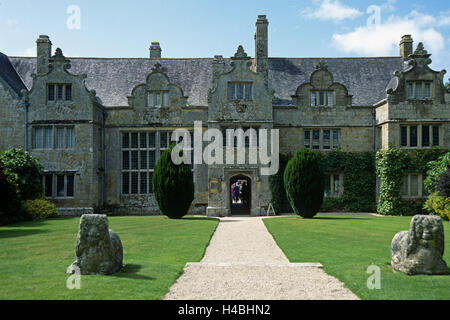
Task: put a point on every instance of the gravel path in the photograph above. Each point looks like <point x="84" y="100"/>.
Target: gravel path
<point x="243" y="262"/>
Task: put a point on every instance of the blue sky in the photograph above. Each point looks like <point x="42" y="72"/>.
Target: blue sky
<point x="203" y="28"/>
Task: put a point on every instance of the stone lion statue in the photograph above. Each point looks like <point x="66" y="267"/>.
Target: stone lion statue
<point x="99" y="249"/>
<point x="420" y="250"/>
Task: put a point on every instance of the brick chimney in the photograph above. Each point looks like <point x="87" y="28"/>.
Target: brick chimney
<point x="261" y="44"/>
<point x="406" y="46"/>
<point x="155" y="50"/>
<point x="44" y="52"/>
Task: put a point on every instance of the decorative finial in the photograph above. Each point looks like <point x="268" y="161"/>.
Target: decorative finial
<point x="322" y="65"/>
<point x="420" y="56"/>
<point x="240" y="54"/>
<point x="158" y="68"/>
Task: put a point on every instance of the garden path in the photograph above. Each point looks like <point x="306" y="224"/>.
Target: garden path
<point x="243" y="262"/>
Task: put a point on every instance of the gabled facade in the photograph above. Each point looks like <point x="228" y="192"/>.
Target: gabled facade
<point x="99" y="125"/>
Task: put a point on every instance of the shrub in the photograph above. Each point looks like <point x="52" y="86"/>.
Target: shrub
<point x="173" y="186"/>
<point x="25" y="171"/>
<point x="440" y="205"/>
<point x="279" y="199"/>
<point x="444" y="184"/>
<point x="436" y="170"/>
<point x="40" y="209"/>
<point x="304" y="183"/>
<point x="11" y="210"/>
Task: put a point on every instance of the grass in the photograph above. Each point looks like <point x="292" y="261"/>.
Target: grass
<point x="347" y="246"/>
<point x="35" y="255"/>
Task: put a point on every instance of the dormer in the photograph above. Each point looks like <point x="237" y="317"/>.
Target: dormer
<point x="321" y="91"/>
<point x="417" y="82"/>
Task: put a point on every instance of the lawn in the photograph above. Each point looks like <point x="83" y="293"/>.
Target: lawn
<point x="35" y="255"/>
<point x="347" y="246"/>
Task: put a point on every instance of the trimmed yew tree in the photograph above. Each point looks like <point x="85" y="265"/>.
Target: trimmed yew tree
<point x="304" y="183"/>
<point x="173" y="186"/>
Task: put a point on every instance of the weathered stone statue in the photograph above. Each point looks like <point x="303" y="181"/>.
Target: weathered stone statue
<point x="99" y="250"/>
<point x="420" y="250"/>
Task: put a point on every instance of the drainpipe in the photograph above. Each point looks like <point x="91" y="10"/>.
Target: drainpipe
<point x="25" y="125"/>
<point x="374" y="120"/>
<point x="104" y="158"/>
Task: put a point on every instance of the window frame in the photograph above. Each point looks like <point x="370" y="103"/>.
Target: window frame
<point x="54" y="137"/>
<point x="315" y="96"/>
<point x="432" y="127"/>
<point x="247" y="87"/>
<point x="319" y="144"/>
<point x="163" y="99"/>
<point x="422" y="84"/>
<point x="54" y="185"/>
<point x="64" y="93"/>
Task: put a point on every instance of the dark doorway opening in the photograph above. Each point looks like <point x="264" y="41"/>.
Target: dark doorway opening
<point x="240" y="195"/>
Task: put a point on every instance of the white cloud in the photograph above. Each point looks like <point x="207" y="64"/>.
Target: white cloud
<point x="384" y="39"/>
<point x="331" y="10"/>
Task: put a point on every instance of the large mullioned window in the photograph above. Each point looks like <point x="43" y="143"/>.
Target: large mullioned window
<point x="140" y="151"/>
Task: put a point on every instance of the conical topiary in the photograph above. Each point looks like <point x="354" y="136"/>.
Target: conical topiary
<point x="173" y="186"/>
<point x="304" y="183"/>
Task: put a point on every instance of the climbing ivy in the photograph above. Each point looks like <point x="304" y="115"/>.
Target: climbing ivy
<point x="391" y="165"/>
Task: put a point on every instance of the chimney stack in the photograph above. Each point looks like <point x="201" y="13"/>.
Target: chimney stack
<point x="406" y="46"/>
<point x="155" y="50"/>
<point x="261" y="44"/>
<point x="44" y="52"/>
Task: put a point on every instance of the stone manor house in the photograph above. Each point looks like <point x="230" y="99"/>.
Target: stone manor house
<point x="99" y="125"/>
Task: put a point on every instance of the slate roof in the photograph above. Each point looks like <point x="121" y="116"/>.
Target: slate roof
<point x="9" y="75"/>
<point x="365" y="78"/>
<point x="114" y="78"/>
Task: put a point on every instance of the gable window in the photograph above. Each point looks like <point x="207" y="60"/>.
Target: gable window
<point x="418" y="90"/>
<point x="240" y="91"/>
<point x="420" y="135"/>
<point x="322" y="99"/>
<point x="321" y="139"/>
<point x="59" y="92"/>
<point x="158" y="99"/>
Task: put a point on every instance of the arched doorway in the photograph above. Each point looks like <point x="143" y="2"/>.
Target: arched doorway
<point x="240" y="195"/>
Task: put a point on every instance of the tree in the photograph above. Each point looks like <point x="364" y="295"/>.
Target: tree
<point x="24" y="171"/>
<point x="173" y="186"/>
<point x="11" y="210"/>
<point x="304" y="183"/>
